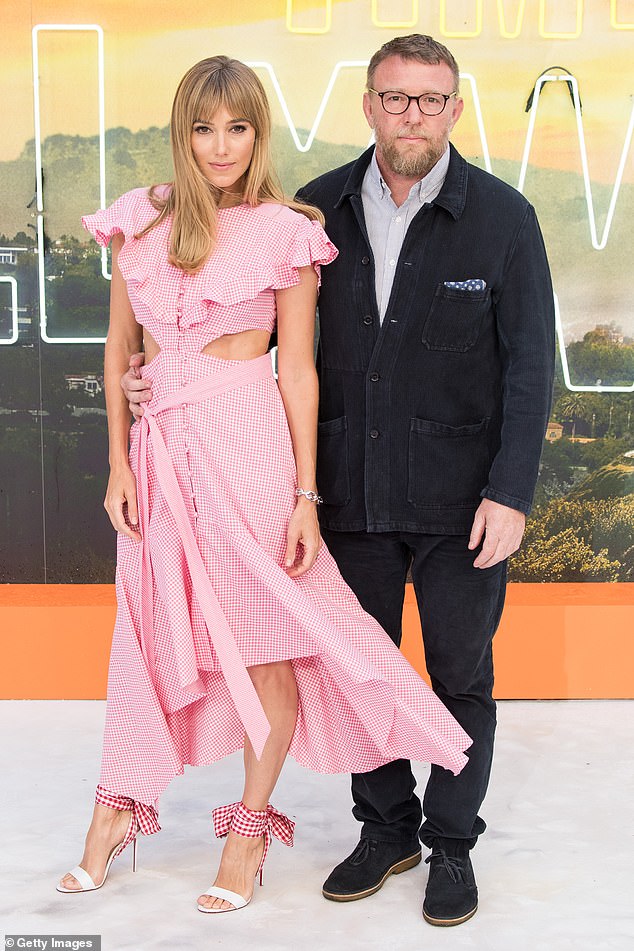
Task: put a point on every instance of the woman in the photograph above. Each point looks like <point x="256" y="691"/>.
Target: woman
<point x="234" y="628"/>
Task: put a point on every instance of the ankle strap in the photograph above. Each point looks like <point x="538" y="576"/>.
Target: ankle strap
<point x="253" y="823"/>
<point x="145" y="818"/>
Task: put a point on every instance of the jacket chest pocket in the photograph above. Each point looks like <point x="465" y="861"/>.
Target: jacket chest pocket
<point x="455" y="318"/>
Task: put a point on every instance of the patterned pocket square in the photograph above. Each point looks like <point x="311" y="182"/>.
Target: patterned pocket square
<point x="474" y="284"/>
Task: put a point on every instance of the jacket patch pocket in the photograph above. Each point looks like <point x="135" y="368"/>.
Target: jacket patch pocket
<point x="333" y="477"/>
<point x="455" y="318"/>
<point x="448" y="465"/>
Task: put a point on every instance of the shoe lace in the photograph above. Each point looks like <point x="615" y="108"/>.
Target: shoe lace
<point x="454" y="867"/>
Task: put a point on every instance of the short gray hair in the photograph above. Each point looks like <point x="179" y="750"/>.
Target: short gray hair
<point x="419" y="47"/>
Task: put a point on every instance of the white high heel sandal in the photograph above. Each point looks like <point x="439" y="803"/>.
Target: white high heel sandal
<point x="82" y="876"/>
<point x="253" y="824"/>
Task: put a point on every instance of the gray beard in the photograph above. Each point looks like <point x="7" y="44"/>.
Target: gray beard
<point x="412" y="165"/>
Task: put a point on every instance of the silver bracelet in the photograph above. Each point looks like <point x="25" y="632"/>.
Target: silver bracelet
<point x="310" y="495"/>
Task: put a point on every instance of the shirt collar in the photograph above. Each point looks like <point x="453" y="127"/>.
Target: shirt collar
<point x="452" y="197"/>
<point x="420" y="190"/>
<point x="375" y="179"/>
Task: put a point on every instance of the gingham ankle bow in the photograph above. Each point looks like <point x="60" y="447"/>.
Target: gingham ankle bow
<point x="253" y="823"/>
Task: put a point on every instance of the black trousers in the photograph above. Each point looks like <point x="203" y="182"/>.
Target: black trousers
<point x="460" y="608"/>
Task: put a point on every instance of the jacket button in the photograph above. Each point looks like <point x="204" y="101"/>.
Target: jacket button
<point x="374" y="434"/>
<point x="375" y="376"/>
<point x="367" y="320"/>
<point x="365" y="259"/>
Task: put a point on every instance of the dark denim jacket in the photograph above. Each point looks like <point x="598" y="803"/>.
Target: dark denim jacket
<point x="448" y="400"/>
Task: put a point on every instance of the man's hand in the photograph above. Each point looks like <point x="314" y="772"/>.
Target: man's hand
<point x="136" y="389"/>
<point x="501" y="527"/>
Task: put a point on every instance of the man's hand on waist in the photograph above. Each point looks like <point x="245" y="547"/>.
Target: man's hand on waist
<point x="137" y="390"/>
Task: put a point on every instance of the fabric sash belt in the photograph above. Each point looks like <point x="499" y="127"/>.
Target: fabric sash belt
<point x="239" y="684"/>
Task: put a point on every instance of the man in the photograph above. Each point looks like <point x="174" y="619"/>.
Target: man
<point x="436" y="360"/>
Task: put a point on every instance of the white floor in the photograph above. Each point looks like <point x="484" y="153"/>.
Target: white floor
<point x="555" y="869"/>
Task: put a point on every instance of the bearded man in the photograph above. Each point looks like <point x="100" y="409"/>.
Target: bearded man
<point x="436" y="363"/>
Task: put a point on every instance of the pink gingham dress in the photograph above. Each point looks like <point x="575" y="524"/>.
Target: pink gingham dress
<point x="205" y="596"/>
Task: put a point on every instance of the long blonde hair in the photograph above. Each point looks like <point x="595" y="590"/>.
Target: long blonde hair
<point x="192" y="201"/>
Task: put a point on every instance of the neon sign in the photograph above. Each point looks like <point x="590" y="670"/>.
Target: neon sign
<point x="510" y="28"/>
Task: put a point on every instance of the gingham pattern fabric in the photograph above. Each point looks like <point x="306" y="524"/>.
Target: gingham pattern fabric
<point x="360" y="702"/>
<point x="271" y="240"/>
<point x="144" y="818"/>
<point x="253" y="823"/>
<point x="239" y="684"/>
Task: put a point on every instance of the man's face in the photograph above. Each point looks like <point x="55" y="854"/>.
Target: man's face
<point x="409" y="145"/>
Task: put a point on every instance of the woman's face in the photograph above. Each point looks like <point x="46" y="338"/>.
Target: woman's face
<point x="223" y="146"/>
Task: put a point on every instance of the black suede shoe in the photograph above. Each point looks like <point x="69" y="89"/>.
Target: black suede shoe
<point x="451" y="896"/>
<point x="366" y="869"/>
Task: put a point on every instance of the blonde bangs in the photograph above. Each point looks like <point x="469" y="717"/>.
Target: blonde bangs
<point x="214" y="83"/>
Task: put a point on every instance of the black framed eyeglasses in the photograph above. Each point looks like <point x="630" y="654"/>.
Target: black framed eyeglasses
<point x="429" y="103"/>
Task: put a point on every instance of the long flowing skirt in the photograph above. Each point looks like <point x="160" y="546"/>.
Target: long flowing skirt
<point x="360" y="702"/>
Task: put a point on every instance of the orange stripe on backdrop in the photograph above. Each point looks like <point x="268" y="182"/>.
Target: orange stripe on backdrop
<point x="555" y="641"/>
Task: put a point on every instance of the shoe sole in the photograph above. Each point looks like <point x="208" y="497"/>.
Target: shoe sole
<point x="448" y="922"/>
<point x="395" y="869"/>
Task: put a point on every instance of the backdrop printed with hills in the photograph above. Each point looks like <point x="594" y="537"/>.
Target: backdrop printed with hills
<point x="87" y="91"/>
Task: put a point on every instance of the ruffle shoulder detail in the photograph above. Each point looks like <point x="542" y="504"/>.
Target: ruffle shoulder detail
<point x="258" y="249"/>
<point x="310" y="246"/>
<point x="128" y="215"/>
<point x="143" y="262"/>
<point x="261" y="249"/>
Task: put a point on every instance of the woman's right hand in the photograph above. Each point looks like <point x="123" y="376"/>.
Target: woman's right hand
<point x="121" y="500"/>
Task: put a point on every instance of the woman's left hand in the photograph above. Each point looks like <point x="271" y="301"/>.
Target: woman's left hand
<point x="303" y="529"/>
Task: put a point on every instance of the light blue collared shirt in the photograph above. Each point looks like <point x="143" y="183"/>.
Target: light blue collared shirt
<point x="387" y="224"/>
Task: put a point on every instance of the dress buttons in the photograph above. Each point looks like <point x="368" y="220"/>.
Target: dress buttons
<point x="365" y="259"/>
<point x="375" y="376"/>
<point x="374" y="434"/>
<point x="367" y="320"/>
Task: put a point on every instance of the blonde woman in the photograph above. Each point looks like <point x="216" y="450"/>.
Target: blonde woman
<point x="234" y="627"/>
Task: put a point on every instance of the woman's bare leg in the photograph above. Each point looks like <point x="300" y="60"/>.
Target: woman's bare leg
<point x="107" y="829"/>
<point x="277" y="690"/>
